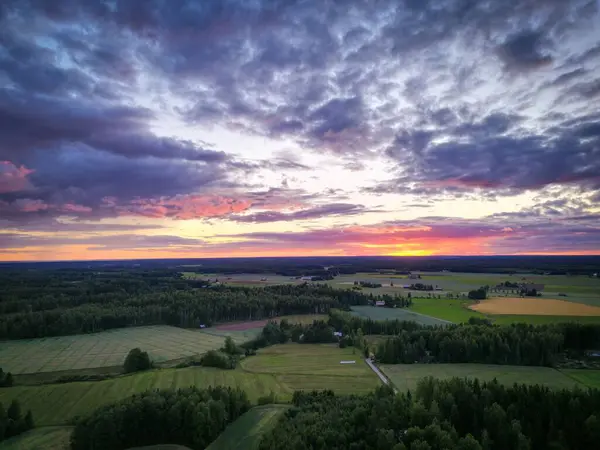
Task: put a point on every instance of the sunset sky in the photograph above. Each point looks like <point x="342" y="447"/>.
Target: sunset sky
<point x="180" y="128"/>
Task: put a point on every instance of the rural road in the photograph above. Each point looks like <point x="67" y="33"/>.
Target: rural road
<point x="380" y="374"/>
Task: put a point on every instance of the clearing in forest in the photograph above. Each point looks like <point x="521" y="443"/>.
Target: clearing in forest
<point x="406" y="376"/>
<point x="246" y="432"/>
<point x="534" y="306"/>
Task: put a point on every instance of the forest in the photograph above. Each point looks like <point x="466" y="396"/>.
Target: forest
<point x="191" y="417"/>
<point x="41" y="304"/>
<point x="441" y="414"/>
<point x="475" y="342"/>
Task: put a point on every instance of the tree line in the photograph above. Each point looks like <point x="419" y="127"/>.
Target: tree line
<point x="152" y="301"/>
<point x="13" y="422"/>
<point x="190" y="417"/>
<point x="477" y="341"/>
<point x="6" y="378"/>
<point x="441" y="414"/>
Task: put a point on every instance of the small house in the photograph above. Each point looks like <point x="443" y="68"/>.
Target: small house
<point x="380" y="303"/>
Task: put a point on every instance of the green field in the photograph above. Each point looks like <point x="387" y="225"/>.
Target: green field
<point x="44" y="438"/>
<point x="448" y="309"/>
<point x="245" y="433"/>
<point x="406" y="376"/>
<point x="380" y="313"/>
<point x="107" y="348"/>
<point x="590" y="378"/>
<point x="306" y="367"/>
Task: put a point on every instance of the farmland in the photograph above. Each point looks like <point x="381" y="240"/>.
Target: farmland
<point x="106" y="349"/>
<point x="406" y="376"/>
<point x="534" y="306"/>
<point x="448" y="301"/>
<point x="379" y="313"/>
<point x="279" y="370"/>
<point x="44" y="438"/>
<point x="245" y="433"/>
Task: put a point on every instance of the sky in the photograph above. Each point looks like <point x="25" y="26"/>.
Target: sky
<point x="180" y="128"/>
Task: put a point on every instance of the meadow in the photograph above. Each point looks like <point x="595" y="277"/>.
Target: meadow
<point x="44" y="438"/>
<point x="306" y="367"/>
<point x="380" y="313"/>
<point x="107" y="348"/>
<point x="245" y="433"/>
<point x="406" y="376"/>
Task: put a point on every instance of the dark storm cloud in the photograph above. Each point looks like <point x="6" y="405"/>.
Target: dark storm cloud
<point x="31" y="122"/>
<point x="331" y="210"/>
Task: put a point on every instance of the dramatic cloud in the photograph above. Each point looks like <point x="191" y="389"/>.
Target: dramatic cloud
<point x="333" y="209"/>
<point x="273" y="112"/>
<point x="13" y="178"/>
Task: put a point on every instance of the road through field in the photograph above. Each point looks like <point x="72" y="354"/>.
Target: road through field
<point x="379" y="373"/>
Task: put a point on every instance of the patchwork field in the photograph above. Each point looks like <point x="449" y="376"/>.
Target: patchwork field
<point x="534" y="306"/>
<point x="45" y="438"/>
<point x="379" y="313"/>
<point x="280" y="370"/>
<point x="406" y="376"/>
<point x="245" y="433"/>
<point x="105" y="349"/>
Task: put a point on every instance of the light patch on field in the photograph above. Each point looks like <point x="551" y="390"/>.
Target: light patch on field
<point x="406" y="376"/>
<point x="105" y="349"/>
<point x="534" y="306"/>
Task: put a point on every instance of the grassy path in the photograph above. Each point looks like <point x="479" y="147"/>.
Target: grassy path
<point x="245" y="433"/>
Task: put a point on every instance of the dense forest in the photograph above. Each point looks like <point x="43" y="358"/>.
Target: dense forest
<point x="74" y="302"/>
<point x="12" y="420"/>
<point x="475" y="342"/>
<point x="191" y="417"/>
<point x="295" y="266"/>
<point x="452" y="414"/>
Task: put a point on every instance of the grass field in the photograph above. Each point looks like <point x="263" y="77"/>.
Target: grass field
<point x="306" y="367"/>
<point x="245" y="433"/>
<point x="590" y="378"/>
<point x="105" y="349"/>
<point x="45" y="438"/>
<point x="379" y="313"/>
<point x="406" y="376"/>
<point x="449" y="309"/>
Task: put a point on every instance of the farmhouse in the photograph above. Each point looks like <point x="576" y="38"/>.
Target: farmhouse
<point x="531" y="287"/>
<point x="414" y="276"/>
<point x="380" y="303"/>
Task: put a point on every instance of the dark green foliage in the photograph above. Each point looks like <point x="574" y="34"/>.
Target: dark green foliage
<point x="6" y="378"/>
<point x="517" y="344"/>
<point x="267" y="399"/>
<point x="452" y="414"/>
<point x="136" y="361"/>
<point x="189" y="417"/>
<point x="215" y="358"/>
<point x="231" y="348"/>
<point x="55" y="303"/>
<point x="478" y="294"/>
<point x="12" y="421"/>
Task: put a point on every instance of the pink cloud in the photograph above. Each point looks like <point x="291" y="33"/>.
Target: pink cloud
<point x="71" y="207"/>
<point x="13" y="178"/>
<point x="29" y="205"/>
<point x="182" y="207"/>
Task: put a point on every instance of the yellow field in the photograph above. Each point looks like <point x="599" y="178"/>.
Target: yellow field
<point x="534" y="306"/>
